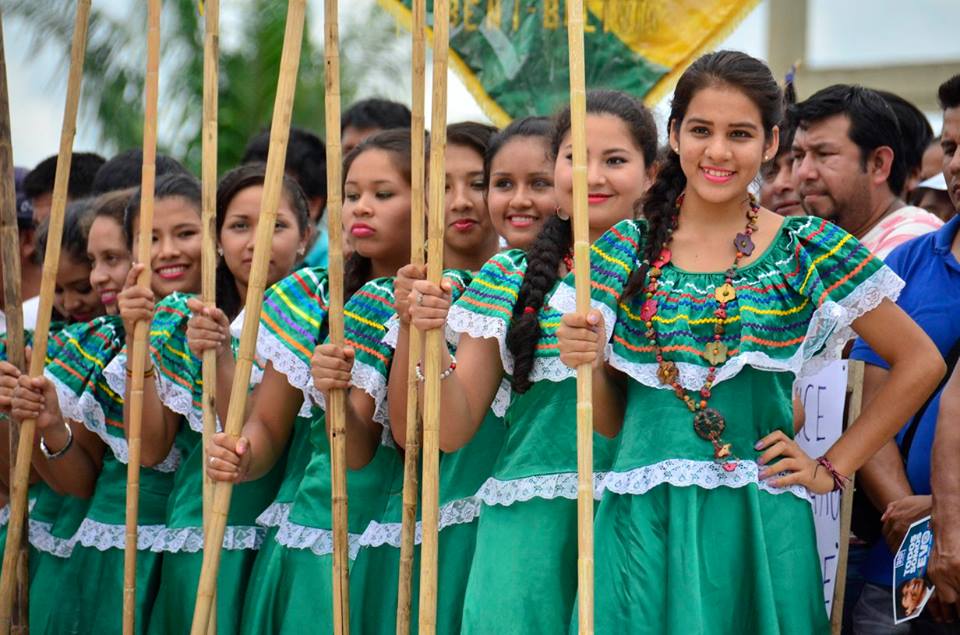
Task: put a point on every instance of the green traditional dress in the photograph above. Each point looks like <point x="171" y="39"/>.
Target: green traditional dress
<point x="524" y="573"/>
<point x="686" y="544"/>
<point x="461" y="475"/>
<point x="300" y="597"/>
<point x="179" y="386"/>
<point x="293" y="321"/>
<point x="92" y="578"/>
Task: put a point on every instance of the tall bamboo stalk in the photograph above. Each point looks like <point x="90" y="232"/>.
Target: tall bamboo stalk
<point x="208" y="169"/>
<point x="581" y="266"/>
<point x="412" y="446"/>
<point x="272" y="187"/>
<point x="12" y="300"/>
<point x="336" y="399"/>
<point x="434" y="338"/>
<point x="137" y="360"/>
<point x="51" y="262"/>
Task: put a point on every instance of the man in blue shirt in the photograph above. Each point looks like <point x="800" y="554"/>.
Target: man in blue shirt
<point x="897" y="479"/>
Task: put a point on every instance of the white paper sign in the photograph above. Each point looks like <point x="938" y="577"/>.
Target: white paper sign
<point x="823" y="396"/>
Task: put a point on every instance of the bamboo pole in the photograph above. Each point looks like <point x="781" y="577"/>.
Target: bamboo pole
<point x="12" y="301"/>
<point x="272" y="187"/>
<point x="854" y="406"/>
<point x="137" y="358"/>
<point x="18" y="491"/>
<point x="417" y="211"/>
<point x="581" y="245"/>
<point x="434" y="338"/>
<point x="208" y="169"/>
<point x="336" y="399"/>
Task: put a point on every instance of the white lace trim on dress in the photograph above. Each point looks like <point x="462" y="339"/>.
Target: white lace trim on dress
<point x="546" y="486"/>
<point x="687" y="472"/>
<point x="42" y="539"/>
<point x="103" y="536"/>
<point x="190" y="539"/>
<point x="458" y="512"/>
<point x="319" y="541"/>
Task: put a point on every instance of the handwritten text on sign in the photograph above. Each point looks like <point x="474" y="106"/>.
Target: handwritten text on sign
<point x="823" y="396"/>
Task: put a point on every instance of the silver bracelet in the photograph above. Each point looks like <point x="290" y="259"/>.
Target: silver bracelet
<point x="56" y="455"/>
<point x="452" y="367"/>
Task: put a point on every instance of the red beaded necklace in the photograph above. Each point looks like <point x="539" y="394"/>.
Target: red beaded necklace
<point x="708" y="423"/>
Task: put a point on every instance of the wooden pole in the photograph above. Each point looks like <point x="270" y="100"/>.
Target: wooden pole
<point x="336" y="400"/>
<point x="581" y="246"/>
<point x="417" y="212"/>
<point x="12" y="301"/>
<point x="434" y="338"/>
<point x="137" y="358"/>
<point x="208" y="169"/>
<point x="854" y="406"/>
<point x="272" y="188"/>
<point x="51" y="262"/>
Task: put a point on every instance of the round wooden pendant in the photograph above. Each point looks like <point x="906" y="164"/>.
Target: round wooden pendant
<point x="709" y="424"/>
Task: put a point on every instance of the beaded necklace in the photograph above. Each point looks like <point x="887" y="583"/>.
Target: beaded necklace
<point x="708" y="423"/>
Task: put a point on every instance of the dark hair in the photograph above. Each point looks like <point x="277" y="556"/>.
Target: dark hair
<point x="76" y="226"/>
<point x="556" y="237"/>
<point x="168" y="186"/>
<point x="534" y="127"/>
<point x="396" y="142"/>
<point x="949" y="93"/>
<point x="787" y="127"/>
<point x="83" y="167"/>
<point x="375" y="113"/>
<point x="231" y="184"/>
<point x="721" y="68"/>
<point x="125" y="170"/>
<point x="916" y="132"/>
<point x="873" y="123"/>
<point x="471" y="134"/>
<point x="306" y="159"/>
<point x="113" y="205"/>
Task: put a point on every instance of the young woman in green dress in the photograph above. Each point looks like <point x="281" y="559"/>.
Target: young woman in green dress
<point x="706" y="311"/>
<point x="523" y="574"/>
<point x="181" y="328"/>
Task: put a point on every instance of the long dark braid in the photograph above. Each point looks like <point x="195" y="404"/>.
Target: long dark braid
<point x="660" y="210"/>
<point x="722" y="68"/>
<point x="543" y="264"/>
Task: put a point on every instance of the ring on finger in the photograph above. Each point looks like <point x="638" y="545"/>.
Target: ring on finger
<point x="211" y="460"/>
<point x="419" y="299"/>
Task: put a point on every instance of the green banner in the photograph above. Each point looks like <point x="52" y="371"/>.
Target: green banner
<point x="512" y="54"/>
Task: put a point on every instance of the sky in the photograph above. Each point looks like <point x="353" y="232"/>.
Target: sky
<point x="840" y="33"/>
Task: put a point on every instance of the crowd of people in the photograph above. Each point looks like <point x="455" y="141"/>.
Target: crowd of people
<point x="754" y="239"/>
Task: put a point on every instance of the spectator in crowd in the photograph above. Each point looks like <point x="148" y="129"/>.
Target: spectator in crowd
<point x="898" y="478"/>
<point x="38" y="184"/>
<point x="125" y="170"/>
<point x="778" y="186"/>
<point x="945" y="564"/>
<point x="367" y="116"/>
<point x="917" y="135"/>
<point x="31" y="271"/>
<point x="307" y="165"/>
<point x="932" y="196"/>
<point x="850" y="167"/>
<point x="932" y="160"/>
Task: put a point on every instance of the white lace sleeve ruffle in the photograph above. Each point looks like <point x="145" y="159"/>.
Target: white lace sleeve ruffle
<point x="478" y="326"/>
<point x="89" y="412"/>
<point x="457" y="512"/>
<point x="827" y="333"/>
<point x="501" y="401"/>
<point x="274" y="514"/>
<point x="190" y="539"/>
<point x="687" y="472"/>
<point x="236" y="329"/>
<point x="270" y="349"/>
<point x="319" y="541"/>
<point x="371" y="381"/>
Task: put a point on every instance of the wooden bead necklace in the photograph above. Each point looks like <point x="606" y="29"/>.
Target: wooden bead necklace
<point x="708" y="423"/>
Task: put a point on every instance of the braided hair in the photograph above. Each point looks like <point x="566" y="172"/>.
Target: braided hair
<point x="556" y="237"/>
<point x="722" y="68"/>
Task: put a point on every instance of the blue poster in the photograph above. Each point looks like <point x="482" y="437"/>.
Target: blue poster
<point x="911" y="586"/>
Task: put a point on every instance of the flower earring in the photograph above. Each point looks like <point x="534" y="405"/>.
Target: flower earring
<point x="220" y="251"/>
